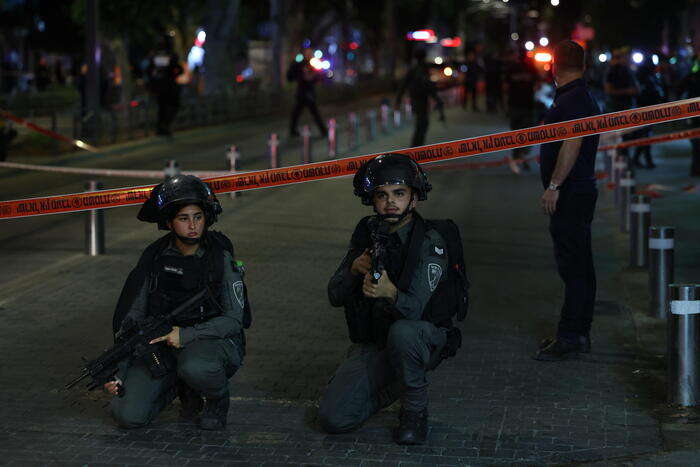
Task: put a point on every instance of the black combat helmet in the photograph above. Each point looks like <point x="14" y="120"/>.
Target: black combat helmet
<point x="173" y="194"/>
<point x="390" y="169"/>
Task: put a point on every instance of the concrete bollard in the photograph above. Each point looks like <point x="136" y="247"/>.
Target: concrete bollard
<point x="233" y="156"/>
<point x="94" y="225"/>
<point x="171" y="169"/>
<point x="353" y="131"/>
<point x="371" y="124"/>
<point x="273" y="143"/>
<point x="332" y="139"/>
<point x="608" y="158"/>
<point x="626" y="187"/>
<point x="384" y="112"/>
<point x="683" y="345"/>
<point x="407" y="109"/>
<point x="397" y="118"/>
<point x="640" y="219"/>
<point x="306" y="141"/>
<point x="619" y="167"/>
<point x="661" y="247"/>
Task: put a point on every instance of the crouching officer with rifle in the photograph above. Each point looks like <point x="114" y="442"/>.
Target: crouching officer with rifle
<point x="401" y="283"/>
<point x="180" y="317"/>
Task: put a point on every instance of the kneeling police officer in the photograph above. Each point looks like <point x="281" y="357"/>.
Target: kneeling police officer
<point x="399" y="331"/>
<point x="206" y="345"/>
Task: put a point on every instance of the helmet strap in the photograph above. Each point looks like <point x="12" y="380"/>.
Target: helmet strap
<point x="399" y="217"/>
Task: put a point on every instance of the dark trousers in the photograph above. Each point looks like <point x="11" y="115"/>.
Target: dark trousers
<point x="168" y="105"/>
<point x="204" y="365"/>
<point x="469" y="93"/>
<point x="695" y="164"/>
<point x="421" y="128"/>
<point x="371" y="379"/>
<point x="570" y="228"/>
<point x="642" y="151"/>
<point x="296" y="112"/>
<point x="520" y="117"/>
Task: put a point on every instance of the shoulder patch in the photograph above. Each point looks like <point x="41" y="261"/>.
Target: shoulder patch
<point x="434" y="274"/>
<point x="239" y="293"/>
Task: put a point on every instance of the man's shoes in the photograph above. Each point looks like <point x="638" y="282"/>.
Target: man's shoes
<point x="215" y="414"/>
<point x="191" y="401"/>
<point x="558" y="350"/>
<point x="413" y="427"/>
<point x="584" y="342"/>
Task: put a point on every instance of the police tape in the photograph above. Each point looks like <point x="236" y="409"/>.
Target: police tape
<point x="51" y="134"/>
<point x="150" y="174"/>
<point x="686" y="134"/>
<point x="348" y="166"/>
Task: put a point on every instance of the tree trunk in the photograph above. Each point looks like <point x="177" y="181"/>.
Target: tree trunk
<point x="218" y="65"/>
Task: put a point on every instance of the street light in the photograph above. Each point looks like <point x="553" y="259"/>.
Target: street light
<point x="637" y="57"/>
<point x="602" y="58"/>
<point x="529" y="45"/>
<point x="515" y="36"/>
<point x="438" y="60"/>
<point x="554" y="2"/>
<point x="544" y="42"/>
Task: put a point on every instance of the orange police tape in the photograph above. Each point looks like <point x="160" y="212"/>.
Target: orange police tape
<point x="348" y="166"/>
<point x="686" y="134"/>
<point x="44" y="131"/>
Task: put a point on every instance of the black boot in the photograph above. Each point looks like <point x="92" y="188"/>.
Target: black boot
<point x="584" y="342"/>
<point x="559" y="350"/>
<point x="215" y="413"/>
<point x="413" y="427"/>
<point x="191" y="401"/>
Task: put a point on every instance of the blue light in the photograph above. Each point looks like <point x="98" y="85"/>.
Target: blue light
<point x="299" y="58"/>
<point x="351" y="56"/>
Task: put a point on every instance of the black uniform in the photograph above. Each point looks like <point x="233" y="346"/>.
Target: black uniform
<point x="420" y="89"/>
<point x="163" y="70"/>
<point x="211" y="337"/>
<point x="570" y="225"/>
<point x="393" y="346"/>
<point x="651" y="93"/>
<point x="306" y="77"/>
<point x="522" y="79"/>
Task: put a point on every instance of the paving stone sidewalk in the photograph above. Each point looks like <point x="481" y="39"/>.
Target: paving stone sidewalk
<point x="492" y="404"/>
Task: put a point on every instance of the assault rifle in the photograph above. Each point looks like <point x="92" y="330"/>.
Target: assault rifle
<point x="133" y="341"/>
<point x="379" y="233"/>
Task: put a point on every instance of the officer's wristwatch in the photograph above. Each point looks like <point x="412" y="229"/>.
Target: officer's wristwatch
<point x="553" y="186"/>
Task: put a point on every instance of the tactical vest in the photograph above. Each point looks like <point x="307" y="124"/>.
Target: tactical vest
<point x="369" y="319"/>
<point x="174" y="279"/>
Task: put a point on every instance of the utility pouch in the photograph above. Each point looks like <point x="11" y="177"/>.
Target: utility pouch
<point x="159" y="360"/>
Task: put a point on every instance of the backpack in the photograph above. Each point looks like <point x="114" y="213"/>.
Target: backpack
<point x="451" y="298"/>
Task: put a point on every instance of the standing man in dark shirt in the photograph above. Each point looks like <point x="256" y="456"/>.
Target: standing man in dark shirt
<point x="568" y="177"/>
<point x="621" y="88"/>
<point x="163" y="71"/>
<point x="651" y="92"/>
<point x="306" y="77"/>
<point x="420" y="89"/>
<point x="521" y="81"/>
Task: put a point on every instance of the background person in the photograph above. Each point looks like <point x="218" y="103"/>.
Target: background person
<point x="420" y="89"/>
<point x="567" y="171"/>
